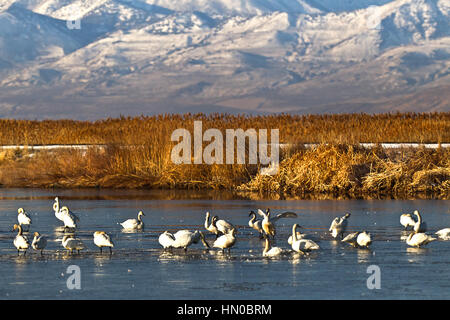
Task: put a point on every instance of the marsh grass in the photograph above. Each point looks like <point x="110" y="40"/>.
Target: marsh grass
<point x="135" y="153"/>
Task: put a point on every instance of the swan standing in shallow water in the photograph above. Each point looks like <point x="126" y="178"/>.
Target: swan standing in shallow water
<point x="184" y="238"/>
<point x="358" y="239"/>
<point x="268" y="223"/>
<point x="419" y="239"/>
<point x="166" y="240"/>
<point x="271" y="251"/>
<point x="210" y="226"/>
<point x="256" y="224"/>
<point x="71" y="243"/>
<point x="444" y="234"/>
<point x="302" y="245"/>
<point x="39" y="242"/>
<point x="338" y="226"/>
<point x="226" y="241"/>
<point x="102" y="239"/>
<point x="217" y="226"/>
<point x="419" y="226"/>
<point x="60" y="213"/>
<point x="20" y="241"/>
<point x="131" y="224"/>
<point x="406" y="220"/>
<point x="68" y="219"/>
<point x="23" y="219"/>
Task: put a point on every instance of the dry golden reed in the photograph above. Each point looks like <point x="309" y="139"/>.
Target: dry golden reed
<point x="135" y="153"/>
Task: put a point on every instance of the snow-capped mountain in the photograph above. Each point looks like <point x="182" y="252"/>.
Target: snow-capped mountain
<point x="153" y="56"/>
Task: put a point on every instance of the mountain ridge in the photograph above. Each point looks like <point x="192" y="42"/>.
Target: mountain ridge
<point x="147" y="55"/>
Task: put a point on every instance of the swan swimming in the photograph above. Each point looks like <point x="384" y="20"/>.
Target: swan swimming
<point x="102" y="239"/>
<point x="39" y="242"/>
<point x="226" y="241"/>
<point x="271" y="251"/>
<point x="444" y="234"/>
<point x="20" y="241"/>
<point x="134" y="223"/>
<point x="23" y="218"/>
<point x="302" y="245"/>
<point x="338" y="226"/>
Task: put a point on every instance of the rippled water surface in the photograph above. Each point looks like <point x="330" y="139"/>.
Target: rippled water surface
<point x="139" y="269"/>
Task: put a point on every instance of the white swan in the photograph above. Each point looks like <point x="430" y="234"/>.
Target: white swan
<point x="20" y="241"/>
<point x="61" y="212"/>
<point x="419" y="239"/>
<point x="302" y="245"/>
<point x="68" y="219"/>
<point x="222" y="226"/>
<point x="23" y="218"/>
<point x="444" y="234"/>
<point x="338" y="226"/>
<point x="102" y="239"/>
<point x="406" y="220"/>
<point x="134" y="223"/>
<point x="271" y="251"/>
<point x="419" y="226"/>
<point x="71" y="243"/>
<point x="256" y="224"/>
<point x="299" y="237"/>
<point x="268" y="223"/>
<point x="39" y="242"/>
<point x="226" y="241"/>
<point x="211" y="227"/>
<point x="358" y="239"/>
<point x="184" y="238"/>
<point x="58" y="213"/>
<point x="351" y="239"/>
<point x="166" y="240"/>
<point x="364" y="239"/>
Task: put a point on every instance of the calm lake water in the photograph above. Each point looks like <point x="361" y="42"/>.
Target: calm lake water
<point x="140" y="269"/>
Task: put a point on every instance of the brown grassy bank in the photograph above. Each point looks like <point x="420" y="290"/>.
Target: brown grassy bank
<point x="339" y="168"/>
<point x="358" y="172"/>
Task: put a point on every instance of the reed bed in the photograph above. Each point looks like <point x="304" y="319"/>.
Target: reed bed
<point x="342" y="128"/>
<point x="358" y="173"/>
<point x="136" y="154"/>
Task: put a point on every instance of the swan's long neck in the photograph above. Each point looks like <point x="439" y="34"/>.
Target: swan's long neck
<point x="267" y="247"/>
<point x="294" y="234"/>
<point x="419" y="218"/>
<point x="207" y="220"/>
<point x="20" y="230"/>
<point x="202" y="238"/>
<point x="252" y="220"/>
<point x="56" y="205"/>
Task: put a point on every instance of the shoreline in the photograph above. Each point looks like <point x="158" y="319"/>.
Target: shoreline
<point x="325" y="172"/>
